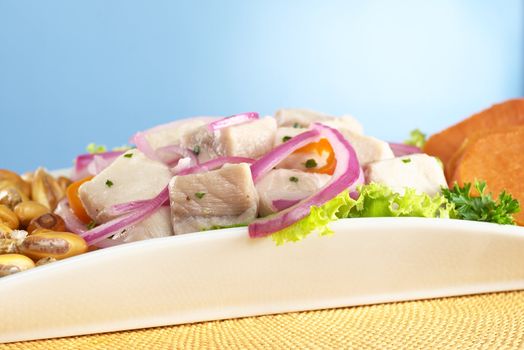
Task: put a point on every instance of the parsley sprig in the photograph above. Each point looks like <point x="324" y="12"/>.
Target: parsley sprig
<point x="482" y="207"/>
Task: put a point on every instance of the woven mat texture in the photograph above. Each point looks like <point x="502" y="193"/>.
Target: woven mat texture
<point x="490" y="321"/>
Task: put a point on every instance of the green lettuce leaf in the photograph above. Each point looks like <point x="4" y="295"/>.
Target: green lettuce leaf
<point x="93" y="148"/>
<point x="378" y="200"/>
<point x="416" y="138"/>
<point x="317" y="220"/>
<point x="375" y="200"/>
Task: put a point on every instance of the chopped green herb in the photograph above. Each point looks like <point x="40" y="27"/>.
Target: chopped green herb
<point x="109" y="183"/>
<point x="91" y="225"/>
<point x="94" y="148"/>
<point x="482" y="206"/>
<point x="293" y="179"/>
<point x="297" y="126"/>
<point x="286" y="138"/>
<point x="128" y="155"/>
<point x="406" y="160"/>
<point x="310" y="163"/>
<point x="200" y="195"/>
<point x="196" y="150"/>
<point x="416" y="138"/>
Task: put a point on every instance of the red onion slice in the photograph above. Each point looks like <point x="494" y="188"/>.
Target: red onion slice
<point x="281" y="204"/>
<point x="263" y="165"/>
<point x="232" y="120"/>
<point x="400" y="149"/>
<point x="345" y="175"/>
<point x="92" y="164"/>
<point x="124" y="208"/>
<point x="141" y="143"/>
<point x="215" y="164"/>
<point x="353" y="193"/>
<point x="116" y="225"/>
<point x="72" y="223"/>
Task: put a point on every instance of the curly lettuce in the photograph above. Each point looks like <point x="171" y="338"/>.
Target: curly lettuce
<point x="416" y="138"/>
<point x="317" y="220"/>
<point x="378" y="200"/>
<point x="375" y="200"/>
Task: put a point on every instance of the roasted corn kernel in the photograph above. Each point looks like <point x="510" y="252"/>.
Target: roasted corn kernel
<point x="52" y="244"/>
<point x="48" y="221"/>
<point x="27" y="211"/>
<point x="45" y="189"/>
<point x="13" y="263"/>
<point x="8" y="217"/>
<point x="12" y="196"/>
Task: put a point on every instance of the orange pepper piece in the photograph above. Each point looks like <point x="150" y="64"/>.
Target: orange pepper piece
<point x="320" y="147"/>
<point x="74" y="200"/>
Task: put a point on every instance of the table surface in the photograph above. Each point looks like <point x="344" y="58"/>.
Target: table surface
<point x="488" y="321"/>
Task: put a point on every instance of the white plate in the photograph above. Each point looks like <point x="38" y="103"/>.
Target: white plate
<point x="224" y="274"/>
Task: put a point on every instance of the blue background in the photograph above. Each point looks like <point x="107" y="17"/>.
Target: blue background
<point x="74" y="72"/>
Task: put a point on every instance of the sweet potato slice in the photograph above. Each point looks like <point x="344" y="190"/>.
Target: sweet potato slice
<point x="498" y="159"/>
<point x="447" y="142"/>
<point x="451" y="165"/>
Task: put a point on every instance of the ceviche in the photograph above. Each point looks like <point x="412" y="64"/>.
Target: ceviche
<point x="283" y="176"/>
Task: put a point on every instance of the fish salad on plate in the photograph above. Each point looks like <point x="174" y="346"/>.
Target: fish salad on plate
<point x="283" y="176"/>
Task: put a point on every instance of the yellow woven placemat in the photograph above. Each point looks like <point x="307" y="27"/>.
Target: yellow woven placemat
<point x="490" y="321"/>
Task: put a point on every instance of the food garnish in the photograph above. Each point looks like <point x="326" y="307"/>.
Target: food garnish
<point x="310" y="163"/>
<point x="416" y="138"/>
<point x="93" y="148"/>
<point x="479" y="205"/>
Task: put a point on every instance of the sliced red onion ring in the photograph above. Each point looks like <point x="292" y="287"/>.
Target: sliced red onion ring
<point x="263" y="165"/>
<point x="232" y="120"/>
<point x="281" y="204"/>
<point x="92" y="164"/>
<point x="400" y="149"/>
<point x="116" y="225"/>
<point x="124" y="208"/>
<point x="73" y="224"/>
<point x="141" y="143"/>
<point x="215" y="164"/>
<point x="345" y="175"/>
<point x="353" y="193"/>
